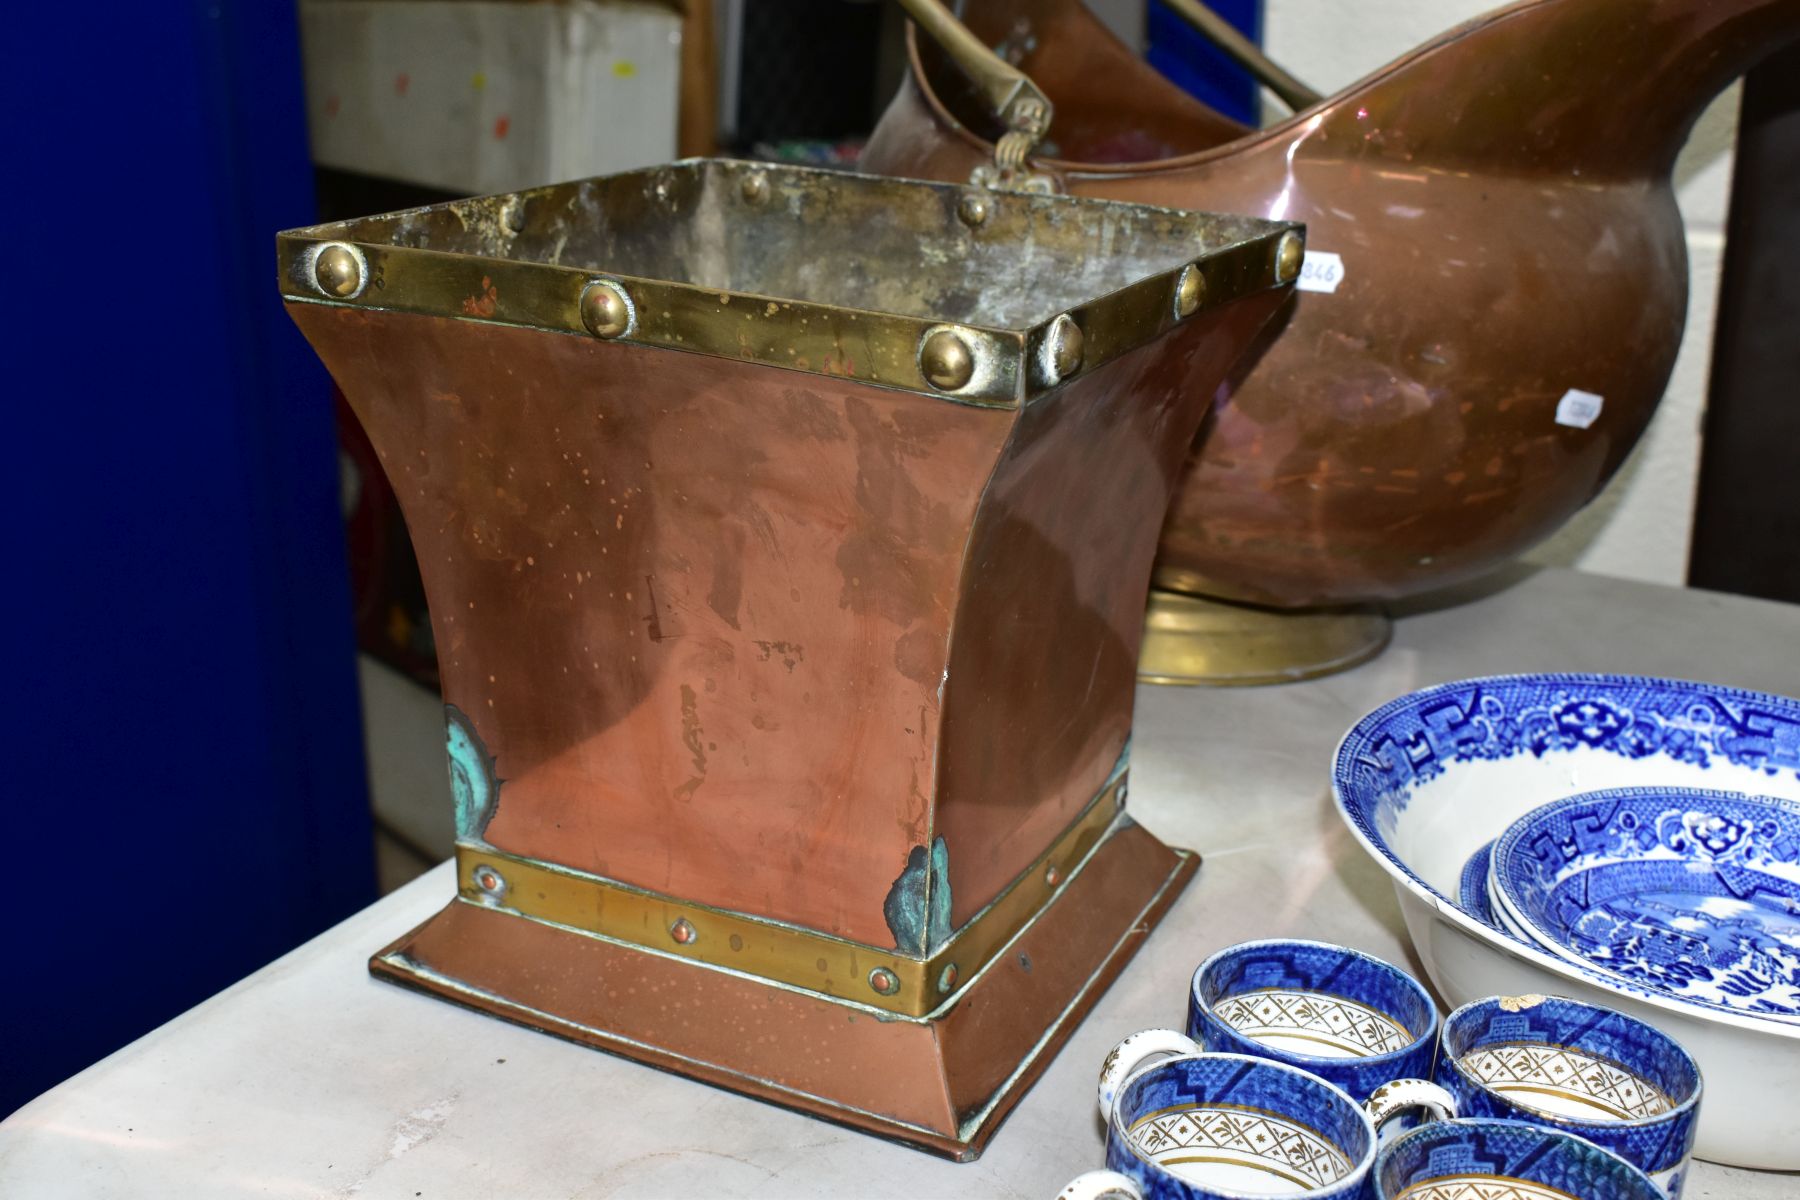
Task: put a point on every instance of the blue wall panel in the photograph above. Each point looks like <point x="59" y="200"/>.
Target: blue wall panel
<point x="187" y="794"/>
<point x="1200" y="68"/>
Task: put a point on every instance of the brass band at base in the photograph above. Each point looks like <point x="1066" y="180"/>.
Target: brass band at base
<point x="786" y="954"/>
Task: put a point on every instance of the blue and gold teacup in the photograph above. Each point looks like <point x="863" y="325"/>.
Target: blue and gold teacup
<point x="1487" y="1159"/>
<point x="1342" y="1015"/>
<point x="1221" y="1127"/>
<point x="1588" y="1070"/>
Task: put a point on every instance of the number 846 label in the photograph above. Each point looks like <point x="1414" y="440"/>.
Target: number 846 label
<point x="1321" y="271"/>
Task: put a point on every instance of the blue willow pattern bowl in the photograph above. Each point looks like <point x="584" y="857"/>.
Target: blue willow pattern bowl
<point x="1425" y="780"/>
<point x="1502" y="1160"/>
<point x="1685" y="890"/>
<point x="1347" y="1017"/>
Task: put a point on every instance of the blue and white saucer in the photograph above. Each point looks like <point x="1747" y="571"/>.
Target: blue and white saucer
<point x="1472" y="888"/>
<point x="1688" y="891"/>
<point x="1475" y="892"/>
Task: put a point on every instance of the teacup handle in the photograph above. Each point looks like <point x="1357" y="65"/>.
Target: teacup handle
<point x="1391" y="1099"/>
<point x="1131" y="1054"/>
<point x="1100" y="1185"/>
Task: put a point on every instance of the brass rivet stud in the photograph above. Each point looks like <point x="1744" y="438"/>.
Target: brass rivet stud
<point x="1052" y="876"/>
<point x="683" y="933"/>
<point x="947" y="978"/>
<point x="1290" y="252"/>
<point x="884" y="981"/>
<point x="1062" y="348"/>
<point x="973" y="208"/>
<point x="606" y="309"/>
<point x="946" y="361"/>
<point x="755" y="188"/>
<point x="1190" y="288"/>
<point x="338" y="271"/>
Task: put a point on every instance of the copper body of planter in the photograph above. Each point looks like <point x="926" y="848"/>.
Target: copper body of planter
<point x="1501" y="203"/>
<point x="789" y="693"/>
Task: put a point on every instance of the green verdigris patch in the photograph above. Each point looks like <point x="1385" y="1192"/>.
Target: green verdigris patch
<point x="474" y="787"/>
<point x="918" y="905"/>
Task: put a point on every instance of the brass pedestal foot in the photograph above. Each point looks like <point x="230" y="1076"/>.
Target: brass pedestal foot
<point x="1190" y="640"/>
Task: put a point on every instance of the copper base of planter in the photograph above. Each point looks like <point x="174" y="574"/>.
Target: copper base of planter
<point x="1192" y="641"/>
<point x="942" y="1082"/>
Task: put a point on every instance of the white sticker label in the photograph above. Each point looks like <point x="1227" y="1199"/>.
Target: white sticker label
<point x="1579" y="408"/>
<point x="1321" y="271"/>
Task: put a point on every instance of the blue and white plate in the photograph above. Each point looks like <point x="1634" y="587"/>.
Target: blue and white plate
<point x="1689" y="891"/>
<point x="1425" y="780"/>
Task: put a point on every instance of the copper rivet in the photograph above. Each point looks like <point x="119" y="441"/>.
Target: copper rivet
<point x="972" y="208"/>
<point x="756" y="187"/>
<point x="1189" y="288"/>
<point x="884" y="981"/>
<point x="605" y="310"/>
<point x="683" y="932"/>
<point x="338" y="271"/>
<point x="1052" y="876"/>
<point x="946" y="361"/>
<point x="491" y="883"/>
<point x="1289" y="253"/>
<point x="948" y="977"/>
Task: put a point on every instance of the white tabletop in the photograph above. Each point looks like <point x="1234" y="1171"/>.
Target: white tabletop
<point x="311" y="1079"/>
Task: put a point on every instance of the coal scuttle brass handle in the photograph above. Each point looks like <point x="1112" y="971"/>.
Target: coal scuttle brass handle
<point x="1010" y="94"/>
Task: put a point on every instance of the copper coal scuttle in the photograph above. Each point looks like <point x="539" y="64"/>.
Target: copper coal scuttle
<point x="1496" y="289"/>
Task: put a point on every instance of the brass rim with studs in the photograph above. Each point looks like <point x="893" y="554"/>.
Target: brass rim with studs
<point x="508" y="260"/>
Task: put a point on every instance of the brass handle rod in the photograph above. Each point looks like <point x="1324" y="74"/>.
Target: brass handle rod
<point x="1011" y="95"/>
<point x="1245" y="53"/>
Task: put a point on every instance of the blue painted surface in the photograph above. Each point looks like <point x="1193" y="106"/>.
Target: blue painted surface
<point x="1198" y="67"/>
<point x="1507" y="1150"/>
<point x="1330" y="973"/>
<point x="1657" y="1142"/>
<point x="185" y="782"/>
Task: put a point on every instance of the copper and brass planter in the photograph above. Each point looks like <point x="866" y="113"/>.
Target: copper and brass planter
<point x="786" y="536"/>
